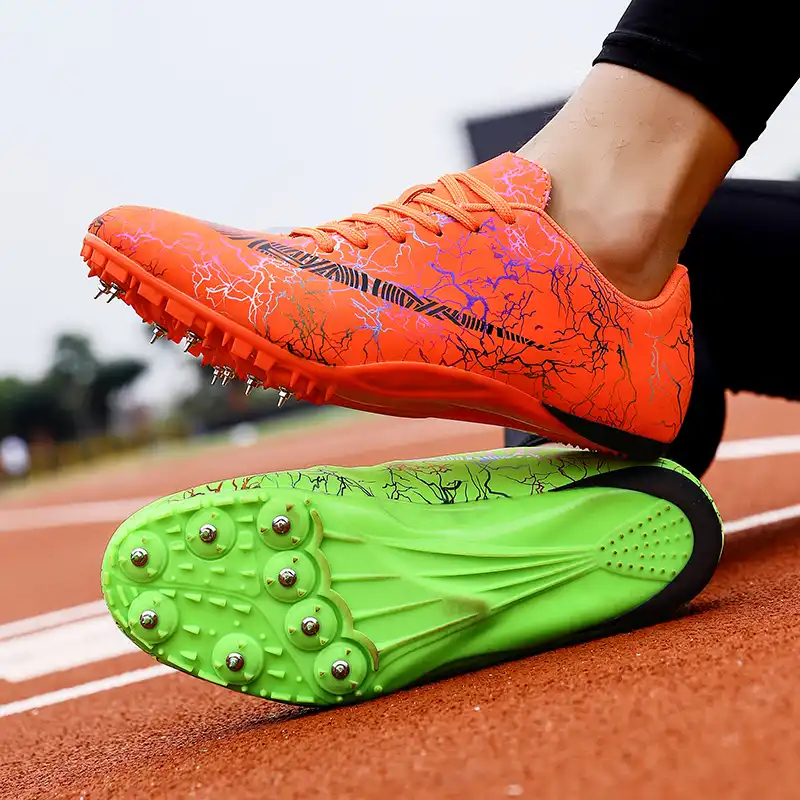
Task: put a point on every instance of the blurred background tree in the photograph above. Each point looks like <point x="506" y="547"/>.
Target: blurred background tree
<point x="76" y="411"/>
<point x="72" y="401"/>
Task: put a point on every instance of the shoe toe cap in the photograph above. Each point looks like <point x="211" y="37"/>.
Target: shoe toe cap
<point x="163" y="242"/>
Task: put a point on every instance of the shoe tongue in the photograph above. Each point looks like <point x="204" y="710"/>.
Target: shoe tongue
<point x="516" y="179"/>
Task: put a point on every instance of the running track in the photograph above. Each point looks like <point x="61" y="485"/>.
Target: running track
<point x="707" y="704"/>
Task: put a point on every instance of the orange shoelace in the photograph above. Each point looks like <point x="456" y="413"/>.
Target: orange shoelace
<point x="416" y="205"/>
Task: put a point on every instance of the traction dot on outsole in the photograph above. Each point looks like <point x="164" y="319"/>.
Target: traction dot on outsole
<point x="358" y="668"/>
<point x="156" y="556"/>
<point x="224" y="528"/>
<point x="251" y="652"/>
<point x="305" y="572"/>
<point x="167" y="615"/>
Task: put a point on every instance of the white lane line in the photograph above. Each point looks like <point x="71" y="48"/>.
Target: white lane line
<point x="50" y="620"/>
<point x="70" y="645"/>
<point x="738" y="449"/>
<point x="763" y="519"/>
<point x="84" y="690"/>
<point x="93" y="687"/>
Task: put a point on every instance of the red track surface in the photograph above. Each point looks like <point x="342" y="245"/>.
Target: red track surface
<point x="705" y="704"/>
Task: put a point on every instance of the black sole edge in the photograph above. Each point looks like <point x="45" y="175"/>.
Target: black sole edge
<point x="638" y="447"/>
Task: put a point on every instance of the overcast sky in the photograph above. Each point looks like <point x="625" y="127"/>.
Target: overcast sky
<point x="253" y="114"/>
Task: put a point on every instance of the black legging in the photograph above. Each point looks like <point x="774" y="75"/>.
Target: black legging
<point x="742" y="257"/>
<point x="739" y="62"/>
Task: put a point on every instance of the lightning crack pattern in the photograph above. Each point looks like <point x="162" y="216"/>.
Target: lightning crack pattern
<point x="516" y="303"/>
<point x="448" y="480"/>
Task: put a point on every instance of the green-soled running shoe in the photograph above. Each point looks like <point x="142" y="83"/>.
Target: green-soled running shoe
<point x="328" y="585"/>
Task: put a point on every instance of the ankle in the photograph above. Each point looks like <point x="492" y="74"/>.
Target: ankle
<point x="634" y="241"/>
<point x="633" y="163"/>
<point x="630" y="248"/>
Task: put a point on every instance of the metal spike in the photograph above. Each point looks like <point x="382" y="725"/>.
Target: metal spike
<point x="281" y="524"/>
<point x="158" y="333"/>
<point x="283" y="396"/>
<point x="234" y="662"/>
<point x="227" y="376"/>
<point x="252" y="383"/>
<point x="215" y="376"/>
<point x="340" y="670"/>
<point x="148" y="619"/>
<point x="287" y="577"/>
<point x="208" y="533"/>
<point x="104" y="289"/>
<point x="115" y="291"/>
<point x="191" y="340"/>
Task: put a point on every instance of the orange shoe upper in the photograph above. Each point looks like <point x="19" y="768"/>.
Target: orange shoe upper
<point x="468" y="273"/>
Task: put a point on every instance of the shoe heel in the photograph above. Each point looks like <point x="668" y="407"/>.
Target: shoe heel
<point x="676" y="486"/>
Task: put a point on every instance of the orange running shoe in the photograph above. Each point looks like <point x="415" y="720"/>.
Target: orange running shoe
<point x="462" y="299"/>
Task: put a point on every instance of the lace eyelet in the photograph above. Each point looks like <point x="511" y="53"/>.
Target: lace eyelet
<point x="439" y="235"/>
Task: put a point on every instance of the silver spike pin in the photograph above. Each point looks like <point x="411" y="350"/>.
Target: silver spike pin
<point x="252" y="383"/>
<point x="115" y="291"/>
<point x="158" y="333"/>
<point x="283" y="396"/>
<point x="191" y="340"/>
<point x="227" y="375"/>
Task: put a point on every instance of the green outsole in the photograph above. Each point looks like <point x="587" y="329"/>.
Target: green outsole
<point x="330" y="585"/>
